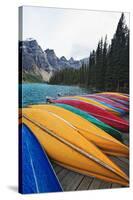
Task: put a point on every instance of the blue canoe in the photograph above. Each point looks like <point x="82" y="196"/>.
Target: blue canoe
<point x="36" y="174"/>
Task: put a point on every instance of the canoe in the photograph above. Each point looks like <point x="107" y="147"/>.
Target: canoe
<point x="92" y="133"/>
<point x="125" y="94"/>
<point x="124" y="103"/>
<point x="70" y="148"/>
<point x="95" y="103"/>
<point x="109" y="101"/>
<point x="36" y="174"/>
<point x="100" y="113"/>
<point x="122" y="100"/>
<point x="117" y="95"/>
<point x="81" y="171"/>
<point x="119" y="111"/>
<point x="110" y="130"/>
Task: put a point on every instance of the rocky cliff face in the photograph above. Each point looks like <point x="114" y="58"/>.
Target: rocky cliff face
<point x="40" y="64"/>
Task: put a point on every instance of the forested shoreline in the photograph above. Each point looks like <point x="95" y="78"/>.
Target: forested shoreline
<point x="108" y="68"/>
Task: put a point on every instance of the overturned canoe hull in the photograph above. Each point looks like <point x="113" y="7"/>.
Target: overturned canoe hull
<point x="36" y="174"/>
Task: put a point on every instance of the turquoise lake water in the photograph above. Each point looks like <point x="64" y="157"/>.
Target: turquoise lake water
<point x="35" y="93"/>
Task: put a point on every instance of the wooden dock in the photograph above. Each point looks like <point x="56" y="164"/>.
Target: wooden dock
<point x="72" y="181"/>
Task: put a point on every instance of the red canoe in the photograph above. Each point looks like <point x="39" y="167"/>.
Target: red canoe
<point x="108" y="101"/>
<point x="97" y="112"/>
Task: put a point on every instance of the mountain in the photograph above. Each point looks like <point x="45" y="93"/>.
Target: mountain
<point x="38" y="65"/>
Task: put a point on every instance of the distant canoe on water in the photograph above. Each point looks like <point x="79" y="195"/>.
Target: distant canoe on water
<point x="36" y="174"/>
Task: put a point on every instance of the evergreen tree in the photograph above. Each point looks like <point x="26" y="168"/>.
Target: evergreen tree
<point x="99" y="64"/>
<point x="91" y="73"/>
<point x="108" y="67"/>
<point x="104" y="63"/>
<point x="117" y="69"/>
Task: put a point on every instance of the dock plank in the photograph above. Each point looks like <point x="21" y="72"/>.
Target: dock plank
<point x="95" y="184"/>
<point x="115" y="185"/>
<point x="85" y="183"/>
<point x="71" y="181"/>
<point x="62" y="174"/>
<point x="57" y="169"/>
<point x="105" y="185"/>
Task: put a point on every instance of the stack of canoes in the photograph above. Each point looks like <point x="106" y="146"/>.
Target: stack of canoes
<point x="79" y="133"/>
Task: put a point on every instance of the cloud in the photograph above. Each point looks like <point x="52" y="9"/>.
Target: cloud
<point x="72" y="33"/>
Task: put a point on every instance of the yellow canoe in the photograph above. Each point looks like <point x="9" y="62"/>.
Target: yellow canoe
<point x="91" y="132"/>
<point x="81" y="171"/>
<point x="66" y="145"/>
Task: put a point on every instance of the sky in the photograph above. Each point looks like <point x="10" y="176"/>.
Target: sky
<point x="71" y="33"/>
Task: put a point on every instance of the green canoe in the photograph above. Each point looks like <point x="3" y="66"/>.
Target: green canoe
<point x="112" y="131"/>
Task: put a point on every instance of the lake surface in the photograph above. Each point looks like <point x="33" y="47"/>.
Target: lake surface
<point x="35" y="93"/>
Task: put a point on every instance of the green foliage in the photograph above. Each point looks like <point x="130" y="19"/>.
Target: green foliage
<point x="69" y="76"/>
<point x="117" y="74"/>
<point x="27" y="77"/>
<point x="108" y="67"/>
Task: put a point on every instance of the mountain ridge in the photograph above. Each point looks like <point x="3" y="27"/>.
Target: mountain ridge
<point x="41" y="64"/>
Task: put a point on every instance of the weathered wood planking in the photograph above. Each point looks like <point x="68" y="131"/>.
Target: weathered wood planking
<point x="85" y="183"/>
<point x="71" y="181"/>
<point x="115" y="185"/>
<point x="95" y="184"/>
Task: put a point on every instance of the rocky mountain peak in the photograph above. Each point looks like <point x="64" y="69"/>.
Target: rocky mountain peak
<point x="63" y="58"/>
<point x="30" y="43"/>
<point x="43" y="63"/>
<point x="71" y="60"/>
<point x="50" y="51"/>
<point x="52" y="58"/>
